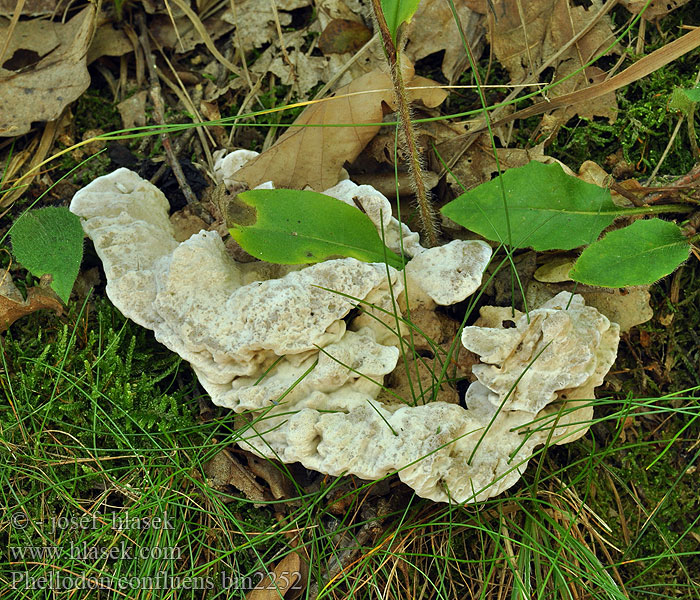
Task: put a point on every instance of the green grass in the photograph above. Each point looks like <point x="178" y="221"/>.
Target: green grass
<point x="101" y="423"/>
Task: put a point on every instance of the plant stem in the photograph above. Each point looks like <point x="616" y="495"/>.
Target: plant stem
<point x="691" y="132"/>
<point x="408" y="135"/>
<point x="655" y="209"/>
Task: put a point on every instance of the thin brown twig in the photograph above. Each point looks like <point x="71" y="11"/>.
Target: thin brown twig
<point x="158" y="112"/>
<point x="690" y="178"/>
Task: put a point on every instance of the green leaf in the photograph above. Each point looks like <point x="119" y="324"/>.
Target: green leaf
<point x="547" y="208"/>
<point x="693" y="94"/>
<point x="684" y="100"/>
<point x="295" y="227"/>
<point x="398" y="12"/>
<point x="49" y="241"/>
<point x="639" y="254"/>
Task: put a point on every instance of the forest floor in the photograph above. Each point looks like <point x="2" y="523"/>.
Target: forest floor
<point x="101" y="425"/>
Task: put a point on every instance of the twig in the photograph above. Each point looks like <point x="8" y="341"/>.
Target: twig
<point x="687" y="180"/>
<point x="180" y="143"/>
<point x="158" y="112"/>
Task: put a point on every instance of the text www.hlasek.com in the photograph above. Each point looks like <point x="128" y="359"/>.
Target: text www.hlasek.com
<point x="122" y="551"/>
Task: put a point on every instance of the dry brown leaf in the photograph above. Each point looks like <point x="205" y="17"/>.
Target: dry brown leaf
<point x="31" y="8"/>
<point x="525" y="34"/>
<point x="133" y="110"/>
<point x="478" y="164"/>
<point x="643" y="67"/>
<point x="279" y="484"/>
<point x="180" y="34"/>
<point x="314" y="156"/>
<point x="45" y="88"/>
<point x="296" y="68"/>
<point x="13" y="306"/>
<point x="286" y="580"/>
<point x="108" y="41"/>
<point x="343" y="35"/>
<point x="255" y="20"/>
<point x="210" y="111"/>
<point x="39" y="152"/>
<point x="656" y="8"/>
<point x="224" y="469"/>
<point x="433" y="29"/>
<point x="592" y="172"/>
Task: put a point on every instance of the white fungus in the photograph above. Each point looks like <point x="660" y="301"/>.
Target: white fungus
<point x="311" y="372"/>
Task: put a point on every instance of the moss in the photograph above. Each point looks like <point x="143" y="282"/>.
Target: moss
<point x="109" y="388"/>
<point x="96" y="110"/>
<point x="642" y="130"/>
<point x="99" y="418"/>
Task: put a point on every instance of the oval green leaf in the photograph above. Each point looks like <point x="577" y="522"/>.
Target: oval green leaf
<point x="639" y="254"/>
<point x="398" y="12"/>
<point x="295" y="227"/>
<point x="547" y="209"/>
<point x="49" y="241"/>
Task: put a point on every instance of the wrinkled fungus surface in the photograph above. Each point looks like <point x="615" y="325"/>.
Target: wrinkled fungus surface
<point x="296" y="352"/>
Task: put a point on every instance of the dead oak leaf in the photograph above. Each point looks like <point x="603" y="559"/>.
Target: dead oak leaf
<point x="13" y="306"/>
<point x="255" y="20"/>
<point x="433" y="29"/>
<point x="314" y="155"/>
<point x="41" y="77"/>
<point x="524" y="35"/>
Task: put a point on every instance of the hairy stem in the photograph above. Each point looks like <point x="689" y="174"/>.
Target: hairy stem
<point x="407" y="133"/>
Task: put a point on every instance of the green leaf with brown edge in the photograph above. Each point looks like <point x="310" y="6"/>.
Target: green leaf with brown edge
<point x="639" y="254"/>
<point x="398" y="12"/>
<point x="545" y="208"/>
<point x="298" y="226"/>
<point x="49" y="241"/>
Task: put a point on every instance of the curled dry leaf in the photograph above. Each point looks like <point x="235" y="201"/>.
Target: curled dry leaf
<point x="40" y="90"/>
<point x="13" y="306"/>
<point x="108" y="41"/>
<point x="313" y="156"/>
<point x="224" y="469"/>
